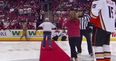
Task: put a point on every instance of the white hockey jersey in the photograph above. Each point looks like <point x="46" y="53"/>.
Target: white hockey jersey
<point x="56" y="33"/>
<point x="103" y="14"/>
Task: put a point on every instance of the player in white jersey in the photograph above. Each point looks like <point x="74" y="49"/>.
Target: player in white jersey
<point x="55" y="35"/>
<point x="103" y="18"/>
<point x="63" y="35"/>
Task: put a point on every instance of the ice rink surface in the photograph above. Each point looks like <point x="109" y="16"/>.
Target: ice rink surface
<point x="30" y="51"/>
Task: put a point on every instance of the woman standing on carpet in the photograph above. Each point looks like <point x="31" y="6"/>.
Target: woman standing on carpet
<point x="72" y="24"/>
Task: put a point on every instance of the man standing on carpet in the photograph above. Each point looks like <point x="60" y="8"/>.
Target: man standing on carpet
<point x="103" y="18"/>
<point x="47" y="28"/>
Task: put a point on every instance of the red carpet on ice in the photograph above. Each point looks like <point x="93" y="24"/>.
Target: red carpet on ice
<point x="56" y="54"/>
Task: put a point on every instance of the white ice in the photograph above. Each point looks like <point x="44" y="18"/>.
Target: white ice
<point x="30" y="51"/>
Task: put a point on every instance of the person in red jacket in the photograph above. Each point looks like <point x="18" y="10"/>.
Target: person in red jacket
<point x="73" y="29"/>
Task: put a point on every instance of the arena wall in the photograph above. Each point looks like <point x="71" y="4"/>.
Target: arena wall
<point x="14" y="35"/>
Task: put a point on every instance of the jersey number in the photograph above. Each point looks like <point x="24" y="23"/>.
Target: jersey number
<point x="110" y="11"/>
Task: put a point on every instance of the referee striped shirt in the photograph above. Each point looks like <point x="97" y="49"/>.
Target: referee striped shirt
<point x="84" y="20"/>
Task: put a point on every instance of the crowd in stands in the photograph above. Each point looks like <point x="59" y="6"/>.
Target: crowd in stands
<point x="61" y="10"/>
<point x="13" y="13"/>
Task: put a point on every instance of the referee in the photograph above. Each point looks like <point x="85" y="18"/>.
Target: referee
<point x="84" y="31"/>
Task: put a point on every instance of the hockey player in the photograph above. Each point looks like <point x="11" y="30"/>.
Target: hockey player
<point x="103" y="18"/>
<point x="55" y="35"/>
<point x="63" y="35"/>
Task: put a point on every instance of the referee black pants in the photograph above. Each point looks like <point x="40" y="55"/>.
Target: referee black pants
<point x="89" y="44"/>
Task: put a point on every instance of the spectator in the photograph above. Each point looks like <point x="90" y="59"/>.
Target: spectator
<point x="24" y="1"/>
<point x="20" y="10"/>
<point x="5" y="6"/>
<point x="38" y="9"/>
<point x="41" y="15"/>
<point x="42" y="3"/>
<point x="30" y="7"/>
<point x="2" y="15"/>
<point x="29" y="11"/>
<point x="37" y="20"/>
<point x="47" y="27"/>
<point x="50" y="5"/>
<point x="56" y="20"/>
<point x="33" y="10"/>
<point x="1" y="3"/>
<point x="30" y="26"/>
<point x="72" y="25"/>
<point x="32" y="3"/>
<point x="10" y="26"/>
<point x="2" y="25"/>
<point x="11" y="9"/>
<point x="1" y="22"/>
<point x="46" y="5"/>
<point x="58" y="12"/>
<point x="15" y="19"/>
<point x="37" y="2"/>
<point x="25" y="11"/>
<point x="17" y="25"/>
<point x="27" y="21"/>
<point x="16" y="11"/>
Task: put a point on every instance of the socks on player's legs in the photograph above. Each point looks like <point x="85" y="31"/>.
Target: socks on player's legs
<point x="99" y="54"/>
<point x="107" y="52"/>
